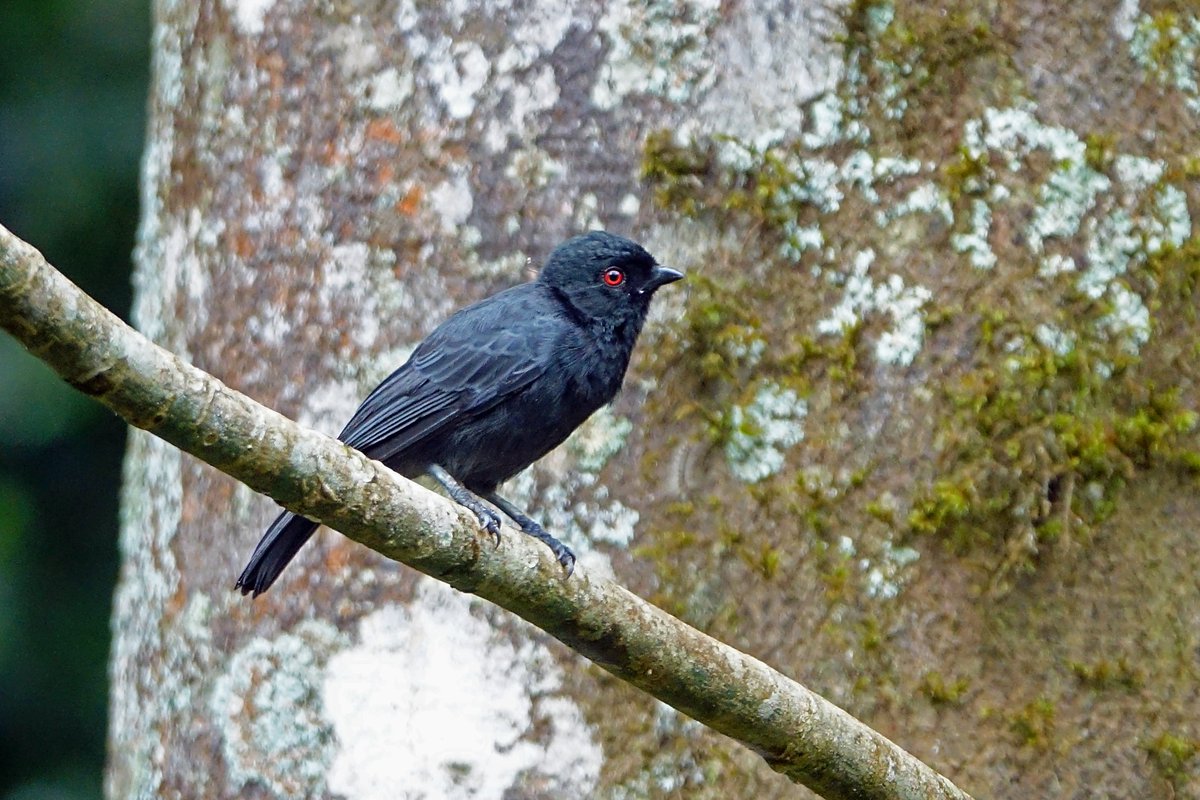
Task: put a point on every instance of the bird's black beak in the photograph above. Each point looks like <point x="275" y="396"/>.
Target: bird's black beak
<point x="661" y="276"/>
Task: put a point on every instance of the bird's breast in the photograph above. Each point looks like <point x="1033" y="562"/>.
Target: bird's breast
<point x="597" y="371"/>
<point x="585" y="372"/>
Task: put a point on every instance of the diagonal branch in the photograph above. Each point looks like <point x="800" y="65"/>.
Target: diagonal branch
<point x="798" y="732"/>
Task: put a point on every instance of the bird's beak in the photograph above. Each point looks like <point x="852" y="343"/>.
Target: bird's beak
<point x="661" y="277"/>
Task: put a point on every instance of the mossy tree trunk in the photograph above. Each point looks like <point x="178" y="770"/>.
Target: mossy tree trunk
<point x="922" y="433"/>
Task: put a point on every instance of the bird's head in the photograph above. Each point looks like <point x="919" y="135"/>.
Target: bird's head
<point x="605" y="276"/>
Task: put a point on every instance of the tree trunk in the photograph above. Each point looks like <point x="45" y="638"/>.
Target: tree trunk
<point x="922" y="433"/>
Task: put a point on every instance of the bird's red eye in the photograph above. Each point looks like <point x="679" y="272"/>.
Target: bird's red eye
<point x="614" y="277"/>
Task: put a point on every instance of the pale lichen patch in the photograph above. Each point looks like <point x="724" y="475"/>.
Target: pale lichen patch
<point x="151" y="507"/>
<point x="667" y="772"/>
<point x="658" y="48"/>
<point x="1120" y="217"/>
<point x="329" y="404"/>
<point x="886" y="574"/>
<point x="761" y="92"/>
<point x="459" y="712"/>
<point x="538" y="33"/>
<point x="587" y="212"/>
<point x="612" y="522"/>
<point x="1054" y="338"/>
<point x="1125" y="19"/>
<point x="1171" y="223"/>
<point x="390" y="89"/>
<point x="761" y="432"/>
<point x="1056" y="264"/>
<point x="927" y="198"/>
<point x="250" y="15"/>
<point x="974" y="242"/>
<point x="1138" y="173"/>
<point x="1167" y="48"/>
<point x="1068" y="194"/>
<point x="457" y="71"/>
<point x="598" y="439"/>
<point x="571" y="505"/>
<point x="900" y="343"/>
<point x="267" y="706"/>
<point x="452" y="201"/>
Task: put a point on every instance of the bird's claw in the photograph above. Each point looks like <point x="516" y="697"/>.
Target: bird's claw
<point x="562" y="552"/>
<point x="564" y="556"/>
<point x="490" y="523"/>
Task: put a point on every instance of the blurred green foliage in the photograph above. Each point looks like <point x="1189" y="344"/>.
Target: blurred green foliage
<point x="73" y="80"/>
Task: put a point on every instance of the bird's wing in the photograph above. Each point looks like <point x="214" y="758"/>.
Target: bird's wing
<point x="472" y="361"/>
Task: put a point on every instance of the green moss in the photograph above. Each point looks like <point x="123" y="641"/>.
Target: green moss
<point x="719" y="331"/>
<point x="677" y="172"/>
<point x="1030" y="439"/>
<point x="964" y="174"/>
<point x="1146" y="434"/>
<point x="1040" y="442"/>
<point x="947" y="505"/>
<point x="666" y="549"/>
<point x="884" y="512"/>
<point x="681" y="508"/>
<point x="943" y="692"/>
<point x="858" y="477"/>
<point x="871" y="634"/>
<point x="811" y="493"/>
<point x="837" y="581"/>
<point x="914" y="55"/>
<point x="767" y="561"/>
<point x="742" y="397"/>
<point x="1177" y="270"/>
<point x="1033" y="725"/>
<point x="1173" y="756"/>
<point x="1106" y="674"/>
<point x="1100" y="152"/>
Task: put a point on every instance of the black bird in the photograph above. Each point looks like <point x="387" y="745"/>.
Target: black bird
<point x="497" y="386"/>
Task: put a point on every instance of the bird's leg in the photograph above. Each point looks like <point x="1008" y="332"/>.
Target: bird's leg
<point x="464" y="497"/>
<point x="560" y="550"/>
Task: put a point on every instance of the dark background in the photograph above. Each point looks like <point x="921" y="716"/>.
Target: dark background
<point x="73" y="82"/>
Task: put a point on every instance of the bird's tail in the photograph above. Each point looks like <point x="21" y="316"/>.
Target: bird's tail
<point x="278" y="546"/>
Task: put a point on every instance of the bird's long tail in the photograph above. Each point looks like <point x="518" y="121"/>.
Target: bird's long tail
<point x="278" y="546"/>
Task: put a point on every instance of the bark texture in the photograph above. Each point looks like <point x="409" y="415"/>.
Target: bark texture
<point x="922" y="433"/>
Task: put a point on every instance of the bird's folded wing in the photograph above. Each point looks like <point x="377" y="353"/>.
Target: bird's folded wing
<point x="464" y="368"/>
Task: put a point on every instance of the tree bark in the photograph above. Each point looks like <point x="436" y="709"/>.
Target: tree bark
<point x="922" y="432"/>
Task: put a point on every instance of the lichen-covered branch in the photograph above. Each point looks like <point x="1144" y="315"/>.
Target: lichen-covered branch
<point x="797" y="732"/>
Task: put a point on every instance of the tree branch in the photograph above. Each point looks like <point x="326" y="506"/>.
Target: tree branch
<point x="799" y="733"/>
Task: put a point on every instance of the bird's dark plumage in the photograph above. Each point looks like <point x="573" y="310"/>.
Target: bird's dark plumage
<point x="497" y="386"/>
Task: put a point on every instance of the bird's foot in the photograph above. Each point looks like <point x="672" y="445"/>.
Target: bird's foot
<point x="560" y="550"/>
<point x="564" y="555"/>
<point x="531" y="528"/>
<point x="489" y="520"/>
